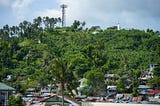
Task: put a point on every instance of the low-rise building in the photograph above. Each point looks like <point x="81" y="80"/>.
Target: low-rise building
<point x="5" y="92"/>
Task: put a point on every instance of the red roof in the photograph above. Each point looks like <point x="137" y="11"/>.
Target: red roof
<point x="152" y="92"/>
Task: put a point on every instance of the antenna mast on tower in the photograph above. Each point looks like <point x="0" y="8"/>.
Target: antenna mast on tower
<point x="63" y="6"/>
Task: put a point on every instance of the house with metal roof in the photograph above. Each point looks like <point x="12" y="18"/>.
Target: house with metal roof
<point x="54" y="101"/>
<point x="5" y="92"/>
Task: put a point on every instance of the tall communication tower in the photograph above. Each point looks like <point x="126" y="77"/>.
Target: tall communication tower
<point x="63" y="6"/>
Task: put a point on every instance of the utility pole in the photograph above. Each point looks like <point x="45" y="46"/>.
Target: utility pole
<point x="63" y="6"/>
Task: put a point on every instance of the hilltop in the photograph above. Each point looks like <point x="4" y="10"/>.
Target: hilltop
<point x="26" y="52"/>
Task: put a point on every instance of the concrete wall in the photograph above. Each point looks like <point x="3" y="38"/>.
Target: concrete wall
<point x="113" y="104"/>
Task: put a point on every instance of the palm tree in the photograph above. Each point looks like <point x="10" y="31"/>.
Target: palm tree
<point x="60" y="70"/>
<point x="37" y="22"/>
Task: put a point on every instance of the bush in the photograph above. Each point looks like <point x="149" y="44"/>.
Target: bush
<point x="15" y="101"/>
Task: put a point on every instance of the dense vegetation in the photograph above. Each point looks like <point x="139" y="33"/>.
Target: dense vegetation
<point x="28" y="50"/>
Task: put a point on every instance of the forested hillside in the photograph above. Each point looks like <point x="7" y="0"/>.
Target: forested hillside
<point x="27" y="51"/>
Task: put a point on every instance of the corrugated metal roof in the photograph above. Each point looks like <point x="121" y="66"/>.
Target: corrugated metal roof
<point x="144" y="87"/>
<point x="5" y="87"/>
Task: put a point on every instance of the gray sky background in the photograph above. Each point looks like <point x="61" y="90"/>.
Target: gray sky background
<point x="139" y="14"/>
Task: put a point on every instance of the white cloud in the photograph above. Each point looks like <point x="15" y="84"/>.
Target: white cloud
<point x="4" y="2"/>
<point x="48" y="12"/>
<point x="20" y="8"/>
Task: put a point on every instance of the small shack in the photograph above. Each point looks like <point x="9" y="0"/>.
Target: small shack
<point x="5" y="92"/>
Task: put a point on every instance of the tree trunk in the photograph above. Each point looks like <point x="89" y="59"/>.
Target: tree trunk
<point x="62" y="93"/>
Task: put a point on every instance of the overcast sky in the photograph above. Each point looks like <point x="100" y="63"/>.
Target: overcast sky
<point x="139" y="14"/>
